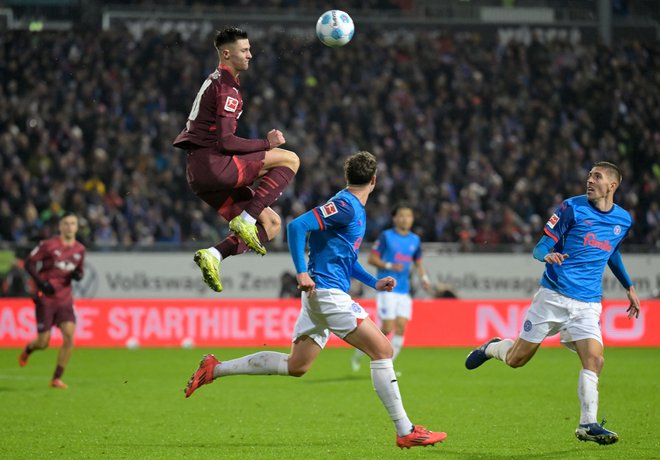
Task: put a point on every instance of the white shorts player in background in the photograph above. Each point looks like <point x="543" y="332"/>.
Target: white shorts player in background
<point x="394" y="254"/>
<point x="335" y="232"/>
<point x="581" y="237"/>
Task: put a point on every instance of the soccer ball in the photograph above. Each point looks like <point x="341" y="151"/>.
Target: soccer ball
<point x="132" y="343"/>
<point x="335" y="28"/>
<point x="187" y="343"/>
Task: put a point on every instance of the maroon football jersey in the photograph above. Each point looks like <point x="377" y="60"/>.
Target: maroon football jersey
<point x="58" y="261"/>
<point x="213" y="118"/>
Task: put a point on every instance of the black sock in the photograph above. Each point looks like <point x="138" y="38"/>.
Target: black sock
<point x="59" y="370"/>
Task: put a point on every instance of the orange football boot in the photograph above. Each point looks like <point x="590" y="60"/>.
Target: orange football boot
<point x="420" y="436"/>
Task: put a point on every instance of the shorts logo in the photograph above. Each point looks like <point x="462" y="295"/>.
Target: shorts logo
<point x="617" y="230"/>
<point x="356" y="308"/>
<point x="329" y="209"/>
<point x="527" y="326"/>
<point x="553" y="221"/>
<point x="231" y="105"/>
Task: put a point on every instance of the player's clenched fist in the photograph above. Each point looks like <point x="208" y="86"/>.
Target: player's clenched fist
<point x="275" y="138"/>
<point x="386" y="284"/>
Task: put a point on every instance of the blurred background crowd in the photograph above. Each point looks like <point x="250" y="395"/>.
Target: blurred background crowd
<point x="483" y="140"/>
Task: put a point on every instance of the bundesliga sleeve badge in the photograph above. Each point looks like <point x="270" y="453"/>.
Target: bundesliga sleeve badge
<point x="231" y="104"/>
<point x="328" y="209"/>
<point x="553" y="221"/>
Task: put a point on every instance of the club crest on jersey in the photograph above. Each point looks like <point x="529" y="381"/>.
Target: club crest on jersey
<point x="553" y="221"/>
<point x="617" y="229"/>
<point x="329" y="209"/>
<point x="231" y="104"/>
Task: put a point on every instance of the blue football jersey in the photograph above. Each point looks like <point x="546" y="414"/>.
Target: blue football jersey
<point x="589" y="237"/>
<point x="402" y="249"/>
<point x="334" y="249"/>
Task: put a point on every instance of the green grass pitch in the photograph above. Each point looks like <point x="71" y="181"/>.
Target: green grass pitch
<point x="130" y="404"/>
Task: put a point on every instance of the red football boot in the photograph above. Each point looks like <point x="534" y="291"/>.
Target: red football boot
<point x="57" y="383"/>
<point x="23" y="359"/>
<point x="203" y="375"/>
<point x="420" y="436"/>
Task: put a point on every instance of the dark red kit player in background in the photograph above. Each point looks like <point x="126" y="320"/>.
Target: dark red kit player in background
<point x="221" y="166"/>
<point x="61" y="260"/>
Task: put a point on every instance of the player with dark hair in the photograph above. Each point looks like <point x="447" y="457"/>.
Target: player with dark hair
<point x="581" y="237"/>
<point x="336" y="230"/>
<point x="394" y="254"/>
<point x="221" y="166"/>
<point x="62" y="259"/>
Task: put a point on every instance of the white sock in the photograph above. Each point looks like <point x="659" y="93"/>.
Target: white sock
<point x="387" y="388"/>
<point x="261" y="363"/>
<point x="248" y="218"/>
<point x="216" y="253"/>
<point x="588" y="394"/>
<point x="397" y="344"/>
<point x="358" y="354"/>
<point x="498" y="350"/>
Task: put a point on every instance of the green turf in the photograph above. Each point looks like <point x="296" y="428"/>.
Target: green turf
<point x="130" y="404"/>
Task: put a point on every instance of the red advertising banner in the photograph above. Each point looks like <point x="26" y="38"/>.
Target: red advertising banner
<point x="269" y="323"/>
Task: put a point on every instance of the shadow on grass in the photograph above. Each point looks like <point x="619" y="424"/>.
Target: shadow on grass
<point x="345" y="378"/>
<point x="474" y="455"/>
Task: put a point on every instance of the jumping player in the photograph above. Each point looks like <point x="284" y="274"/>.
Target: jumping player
<point x="394" y="254"/>
<point x="221" y="166"/>
<point x="336" y="231"/>
<point x="581" y="237"/>
<point x="62" y="259"/>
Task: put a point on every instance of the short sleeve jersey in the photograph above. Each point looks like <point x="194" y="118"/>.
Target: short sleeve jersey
<point x="589" y="237"/>
<point x="333" y="249"/>
<point x="58" y="261"/>
<point x="397" y="248"/>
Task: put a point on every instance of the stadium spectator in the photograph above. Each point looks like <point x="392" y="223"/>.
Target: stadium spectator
<point x="472" y="134"/>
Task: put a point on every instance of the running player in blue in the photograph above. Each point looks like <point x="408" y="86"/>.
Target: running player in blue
<point x="335" y="232"/>
<point x="394" y="254"/>
<point x="581" y="237"/>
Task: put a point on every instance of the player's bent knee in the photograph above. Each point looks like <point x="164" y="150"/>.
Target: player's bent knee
<point x="291" y="160"/>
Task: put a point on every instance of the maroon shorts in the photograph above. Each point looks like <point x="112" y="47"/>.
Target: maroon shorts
<point x="223" y="181"/>
<point x="51" y="315"/>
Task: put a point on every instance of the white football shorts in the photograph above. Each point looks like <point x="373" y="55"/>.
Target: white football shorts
<point x="392" y="305"/>
<point x="552" y="313"/>
<point x="328" y="310"/>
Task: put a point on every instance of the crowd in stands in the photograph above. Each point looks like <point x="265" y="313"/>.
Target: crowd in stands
<point x="482" y="140"/>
